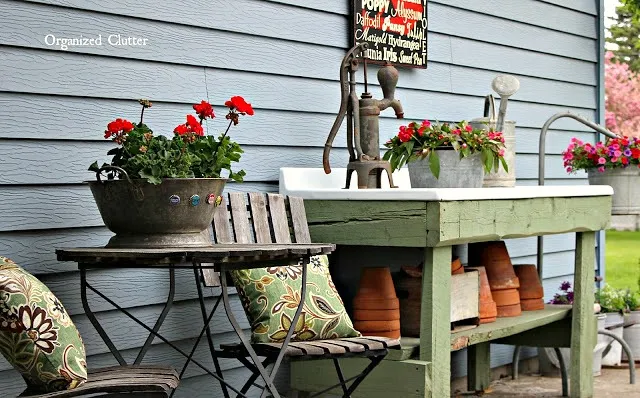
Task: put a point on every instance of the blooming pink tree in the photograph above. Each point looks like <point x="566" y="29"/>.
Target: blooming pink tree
<point x="622" y="94"/>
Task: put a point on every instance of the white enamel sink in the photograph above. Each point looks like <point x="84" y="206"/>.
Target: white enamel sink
<point x="313" y="183"/>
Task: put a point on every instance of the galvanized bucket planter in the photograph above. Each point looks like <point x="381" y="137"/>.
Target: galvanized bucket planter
<point x="631" y="335"/>
<point x="501" y="178"/>
<point x="175" y="213"/>
<point x="626" y="188"/>
<point x="454" y="172"/>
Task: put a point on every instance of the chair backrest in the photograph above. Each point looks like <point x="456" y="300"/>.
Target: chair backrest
<point x="256" y="217"/>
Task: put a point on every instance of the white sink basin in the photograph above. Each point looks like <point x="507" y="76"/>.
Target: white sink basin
<point x="313" y="183"/>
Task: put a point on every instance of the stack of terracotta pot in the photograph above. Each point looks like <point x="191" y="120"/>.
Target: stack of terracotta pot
<point x="376" y="308"/>
<point x="531" y="291"/>
<point x="502" y="278"/>
<point x="456" y="267"/>
<point x="488" y="308"/>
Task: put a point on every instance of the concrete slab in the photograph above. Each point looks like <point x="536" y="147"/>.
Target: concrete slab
<point x="613" y="383"/>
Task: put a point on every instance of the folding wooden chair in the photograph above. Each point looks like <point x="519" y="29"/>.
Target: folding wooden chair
<point x="278" y="219"/>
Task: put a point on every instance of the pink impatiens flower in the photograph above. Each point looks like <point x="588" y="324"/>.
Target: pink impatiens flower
<point x="602" y="161"/>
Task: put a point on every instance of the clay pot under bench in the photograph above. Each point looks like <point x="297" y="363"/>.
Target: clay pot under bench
<point x="376" y="315"/>
<point x="531" y="290"/>
<point x="530" y="286"/>
<point x="376" y="307"/>
<point x="506" y="297"/>
<point x="532" y="304"/>
<point x="506" y="311"/>
<point x="371" y="327"/>
<point x="488" y="309"/>
<point x="495" y="258"/>
<point x="456" y="267"/>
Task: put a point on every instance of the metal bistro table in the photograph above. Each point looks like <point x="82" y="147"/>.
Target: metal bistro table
<point x="218" y="257"/>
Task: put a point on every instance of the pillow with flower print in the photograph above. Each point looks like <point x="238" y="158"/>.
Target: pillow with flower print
<point x="270" y="297"/>
<point x="37" y="335"/>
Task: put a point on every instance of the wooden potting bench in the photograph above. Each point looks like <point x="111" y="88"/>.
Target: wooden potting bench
<point x="435" y="220"/>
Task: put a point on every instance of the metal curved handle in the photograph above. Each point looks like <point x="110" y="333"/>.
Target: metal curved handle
<point x="490" y="108"/>
<point x="109" y="167"/>
<point x="136" y="190"/>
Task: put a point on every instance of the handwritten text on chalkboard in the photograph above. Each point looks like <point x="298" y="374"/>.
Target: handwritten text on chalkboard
<point x="396" y="30"/>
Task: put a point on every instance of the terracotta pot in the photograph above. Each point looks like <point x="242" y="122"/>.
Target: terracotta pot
<point x="376" y="307"/>
<point x="376" y="283"/>
<point x="506" y="297"/>
<point x="376" y="315"/>
<point x="375" y="303"/>
<point x="376" y="326"/>
<point x="394" y="334"/>
<point x="495" y="258"/>
<point x="488" y="309"/>
<point x="409" y="287"/>
<point x="532" y="304"/>
<point x="456" y="267"/>
<point x="530" y="286"/>
<point x="506" y="311"/>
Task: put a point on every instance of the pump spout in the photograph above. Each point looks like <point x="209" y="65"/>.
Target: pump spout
<point x="388" y="78"/>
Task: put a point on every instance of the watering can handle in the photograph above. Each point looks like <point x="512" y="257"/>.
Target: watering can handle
<point x="137" y="191"/>
<point x="490" y="105"/>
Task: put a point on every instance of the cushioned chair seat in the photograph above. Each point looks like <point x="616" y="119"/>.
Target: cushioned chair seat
<point x="152" y="380"/>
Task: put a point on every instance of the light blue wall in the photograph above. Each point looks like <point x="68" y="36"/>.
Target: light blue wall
<point x="283" y="56"/>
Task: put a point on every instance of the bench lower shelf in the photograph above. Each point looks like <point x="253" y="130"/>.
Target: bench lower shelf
<point x="500" y="329"/>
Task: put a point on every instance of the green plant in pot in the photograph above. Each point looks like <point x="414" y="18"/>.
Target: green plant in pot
<point x="444" y="155"/>
<point x="614" y="304"/>
<point x="615" y="162"/>
<point x="161" y="191"/>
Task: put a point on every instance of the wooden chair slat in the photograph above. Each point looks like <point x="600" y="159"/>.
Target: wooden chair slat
<point x="122" y="379"/>
<point x="299" y="220"/>
<point x="259" y="217"/>
<point x="279" y="218"/>
<point x="348" y="346"/>
<point x="221" y="227"/>
<point x="307" y="349"/>
<point x="240" y="217"/>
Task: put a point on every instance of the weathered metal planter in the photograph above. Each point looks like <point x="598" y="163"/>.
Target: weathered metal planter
<point x="454" y="172"/>
<point x="175" y="213"/>
<point x="501" y="178"/>
<point x="631" y="334"/>
<point x="626" y="188"/>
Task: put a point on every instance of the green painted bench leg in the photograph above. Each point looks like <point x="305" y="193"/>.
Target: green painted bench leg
<point x="435" y="323"/>
<point x="479" y="367"/>
<point x="583" y="339"/>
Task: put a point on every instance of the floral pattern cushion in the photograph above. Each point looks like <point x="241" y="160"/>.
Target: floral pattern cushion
<point x="270" y="297"/>
<point x="37" y="335"/>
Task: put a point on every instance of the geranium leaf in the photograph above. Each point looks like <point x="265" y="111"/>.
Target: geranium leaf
<point x="434" y="164"/>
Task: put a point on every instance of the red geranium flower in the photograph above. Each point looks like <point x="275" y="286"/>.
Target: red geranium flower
<point x="204" y="110"/>
<point x="118" y="129"/>
<point x="239" y="104"/>
<point x="191" y="128"/>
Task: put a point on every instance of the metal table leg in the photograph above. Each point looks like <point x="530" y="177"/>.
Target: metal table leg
<point x="268" y="378"/>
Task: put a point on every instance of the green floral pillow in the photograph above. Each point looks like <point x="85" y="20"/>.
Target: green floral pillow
<point x="37" y="335"/>
<point x="270" y="297"/>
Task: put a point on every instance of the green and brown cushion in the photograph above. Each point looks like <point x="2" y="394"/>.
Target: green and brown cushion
<point x="270" y="297"/>
<point x="37" y="335"/>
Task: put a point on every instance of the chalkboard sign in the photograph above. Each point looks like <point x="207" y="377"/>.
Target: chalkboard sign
<point x="396" y="30"/>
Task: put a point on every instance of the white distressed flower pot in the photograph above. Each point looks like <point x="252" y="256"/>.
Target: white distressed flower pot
<point x="614" y="356"/>
<point x="626" y="188"/>
<point x="631" y="335"/>
<point x="454" y="172"/>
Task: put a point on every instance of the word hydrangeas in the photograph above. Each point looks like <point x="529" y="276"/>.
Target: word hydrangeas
<point x="420" y="140"/>
<point x="188" y="154"/>
<point x="614" y="153"/>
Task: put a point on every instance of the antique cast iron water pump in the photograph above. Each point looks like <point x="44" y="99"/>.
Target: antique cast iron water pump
<point x="363" y="127"/>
